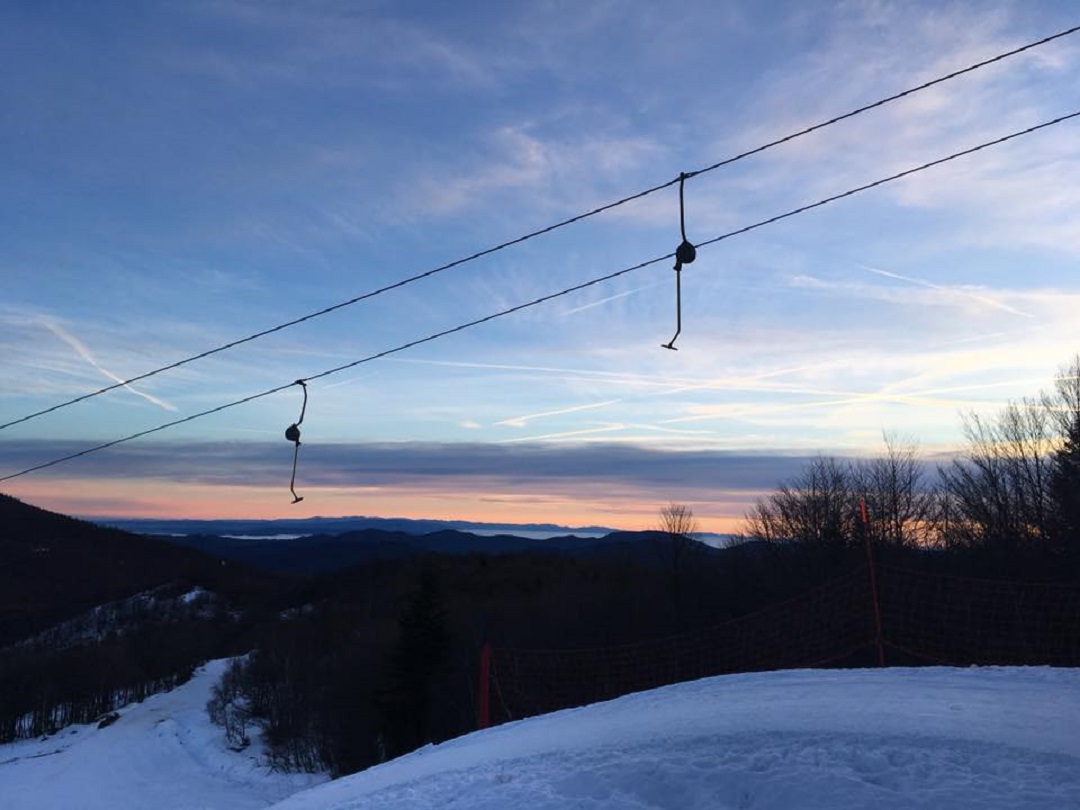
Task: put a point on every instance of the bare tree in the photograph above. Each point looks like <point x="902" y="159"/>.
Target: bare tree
<point x="820" y="508"/>
<point x="1018" y="486"/>
<point x="899" y="504"/>
<point x="998" y="494"/>
<point x="816" y="509"/>
<point x="1063" y="403"/>
<point x="680" y="527"/>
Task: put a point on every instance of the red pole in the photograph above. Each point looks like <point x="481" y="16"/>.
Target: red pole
<point x="483" y="700"/>
<point x="878" y="639"/>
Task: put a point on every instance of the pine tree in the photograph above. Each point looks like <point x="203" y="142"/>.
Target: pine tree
<point x="1065" y="472"/>
<point x="415" y="667"/>
<point x="1065" y="492"/>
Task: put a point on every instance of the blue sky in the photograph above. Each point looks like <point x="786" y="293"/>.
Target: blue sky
<point x="175" y="175"/>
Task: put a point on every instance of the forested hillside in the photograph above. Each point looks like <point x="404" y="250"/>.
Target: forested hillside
<point x="53" y="567"/>
<point x="92" y="618"/>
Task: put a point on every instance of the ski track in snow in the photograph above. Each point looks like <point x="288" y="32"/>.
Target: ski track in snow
<point x="162" y="754"/>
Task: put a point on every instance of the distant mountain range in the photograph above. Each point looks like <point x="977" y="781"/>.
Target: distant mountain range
<point x="52" y="567"/>
<point x="319" y="545"/>
<point x="307" y="555"/>
<point x="339" y="525"/>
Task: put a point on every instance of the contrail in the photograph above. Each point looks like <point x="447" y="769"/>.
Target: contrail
<point x="610" y="298"/>
<point x="85" y="354"/>
<point x="565" y="434"/>
<point x="955" y="291"/>
<point x="521" y="421"/>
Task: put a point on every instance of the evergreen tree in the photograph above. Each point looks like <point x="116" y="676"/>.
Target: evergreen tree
<point x="1064" y="404"/>
<point x="415" y="667"/>
<point x="1065" y="492"/>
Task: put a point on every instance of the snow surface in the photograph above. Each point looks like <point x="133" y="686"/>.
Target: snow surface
<point x="895" y="738"/>
<point x="162" y="754"/>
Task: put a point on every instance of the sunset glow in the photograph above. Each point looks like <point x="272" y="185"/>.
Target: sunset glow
<point x="234" y="166"/>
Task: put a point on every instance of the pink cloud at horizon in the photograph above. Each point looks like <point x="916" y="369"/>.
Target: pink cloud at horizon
<point x="159" y="499"/>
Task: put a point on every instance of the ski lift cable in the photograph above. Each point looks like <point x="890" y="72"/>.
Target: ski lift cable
<point x="543" y="231"/>
<point x="549" y="297"/>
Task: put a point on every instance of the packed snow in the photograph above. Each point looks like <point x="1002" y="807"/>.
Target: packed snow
<point x="897" y="738"/>
<point x="162" y="754"/>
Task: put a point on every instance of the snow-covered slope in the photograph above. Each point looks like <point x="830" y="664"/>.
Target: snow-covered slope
<point x="897" y="738"/>
<point x="162" y="754"/>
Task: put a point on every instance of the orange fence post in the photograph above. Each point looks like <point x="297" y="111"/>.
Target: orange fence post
<point x="879" y="641"/>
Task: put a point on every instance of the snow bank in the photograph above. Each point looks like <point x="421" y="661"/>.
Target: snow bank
<point x="896" y="738"/>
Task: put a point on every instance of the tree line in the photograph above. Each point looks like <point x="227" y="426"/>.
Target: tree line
<point x="83" y="669"/>
<point x="381" y="659"/>
<point x="1012" y="492"/>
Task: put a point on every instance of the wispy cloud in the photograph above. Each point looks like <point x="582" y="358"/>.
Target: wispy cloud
<point x="391" y="464"/>
<point x="1014" y="193"/>
<point x="542" y="170"/>
<point x="622" y="483"/>
<point x="316" y="43"/>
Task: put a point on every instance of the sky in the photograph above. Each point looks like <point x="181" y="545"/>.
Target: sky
<point x="178" y="175"/>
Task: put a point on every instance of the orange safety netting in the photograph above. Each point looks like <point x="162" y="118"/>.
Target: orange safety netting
<point x="924" y="618"/>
